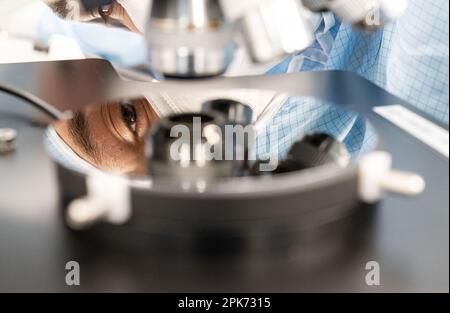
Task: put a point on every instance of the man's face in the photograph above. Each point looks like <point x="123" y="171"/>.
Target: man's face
<point x="73" y="10"/>
<point x="111" y="136"/>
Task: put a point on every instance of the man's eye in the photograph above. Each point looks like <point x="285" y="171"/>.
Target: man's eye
<point x="129" y="115"/>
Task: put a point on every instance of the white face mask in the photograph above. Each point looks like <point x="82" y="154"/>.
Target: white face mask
<point x="138" y="11"/>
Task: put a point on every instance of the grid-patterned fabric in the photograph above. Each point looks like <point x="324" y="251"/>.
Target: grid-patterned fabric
<point x="300" y="116"/>
<point x="408" y="58"/>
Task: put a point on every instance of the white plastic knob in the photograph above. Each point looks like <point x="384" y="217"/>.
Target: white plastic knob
<point x="376" y="177"/>
<point x="108" y="199"/>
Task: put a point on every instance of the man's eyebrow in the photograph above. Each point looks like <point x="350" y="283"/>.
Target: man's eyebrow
<point x="78" y="128"/>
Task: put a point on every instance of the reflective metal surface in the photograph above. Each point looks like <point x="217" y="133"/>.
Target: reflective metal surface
<point x="189" y="38"/>
<point x="74" y="85"/>
<point x="64" y="85"/>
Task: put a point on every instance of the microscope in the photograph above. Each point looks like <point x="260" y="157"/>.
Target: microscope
<point x="192" y="39"/>
<point x="185" y="210"/>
